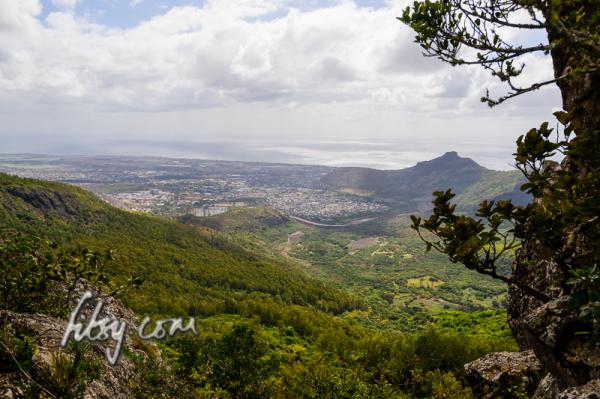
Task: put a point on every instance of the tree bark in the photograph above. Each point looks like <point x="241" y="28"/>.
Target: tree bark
<point x="581" y="92"/>
<point x="550" y="329"/>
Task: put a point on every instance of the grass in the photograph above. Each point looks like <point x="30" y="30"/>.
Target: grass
<point x="424" y="282"/>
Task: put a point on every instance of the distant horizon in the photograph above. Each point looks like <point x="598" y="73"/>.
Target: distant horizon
<point x="411" y="158"/>
<point x="300" y="82"/>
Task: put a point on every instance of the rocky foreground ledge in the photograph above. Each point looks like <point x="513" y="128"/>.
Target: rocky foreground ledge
<point x="48" y="359"/>
<point x="520" y="374"/>
<point x="47" y="333"/>
<point x="556" y="360"/>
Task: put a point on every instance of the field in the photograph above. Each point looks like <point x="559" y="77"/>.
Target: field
<point x="383" y="262"/>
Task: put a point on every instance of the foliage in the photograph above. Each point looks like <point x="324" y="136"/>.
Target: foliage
<point x="268" y="329"/>
<point x="321" y="378"/>
<point x="563" y="221"/>
<point x="156" y="379"/>
<point x="17" y="349"/>
<point x="68" y="373"/>
<point x="349" y="362"/>
<point x="65" y="376"/>
<point x="381" y="270"/>
<point x="185" y="269"/>
<point x="236" y="363"/>
<point x="438" y="385"/>
<point x="240" y="219"/>
<point x="38" y="277"/>
<point x="445" y="28"/>
<point x="485" y="323"/>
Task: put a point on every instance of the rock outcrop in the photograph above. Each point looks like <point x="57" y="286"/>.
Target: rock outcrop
<point x="47" y="200"/>
<point x="568" y="361"/>
<point x="500" y="374"/>
<point x="46" y="332"/>
<point x="591" y="390"/>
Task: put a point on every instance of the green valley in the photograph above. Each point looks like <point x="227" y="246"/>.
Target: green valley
<point x="383" y="262"/>
<point x="357" y="312"/>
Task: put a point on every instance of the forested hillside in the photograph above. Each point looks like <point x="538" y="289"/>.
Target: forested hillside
<point x="187" y="270"/>
<point x="381" y="261"/>
<point x="265" y="328"/>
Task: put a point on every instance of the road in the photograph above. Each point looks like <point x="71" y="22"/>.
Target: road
<point x="311" y="223"/>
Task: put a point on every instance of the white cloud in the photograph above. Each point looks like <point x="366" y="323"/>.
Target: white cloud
<point x="227" y="51"/>
<point x="259" y="57"/>
<point x="18" y="16"/>
<point x="135" y="3"/>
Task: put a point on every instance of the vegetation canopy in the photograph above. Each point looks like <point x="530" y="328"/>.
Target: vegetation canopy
<point x="562" y="222"/>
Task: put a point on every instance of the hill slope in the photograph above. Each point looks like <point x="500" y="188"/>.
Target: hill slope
<point x="270" y="335"/>
<point x="187" y="269"/>
<point x="381" y="261"/>
<point x="240" y="219"/>
<point x="410" y="189"/>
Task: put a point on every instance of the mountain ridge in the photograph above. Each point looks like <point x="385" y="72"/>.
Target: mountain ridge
<point x="411" y="188"/>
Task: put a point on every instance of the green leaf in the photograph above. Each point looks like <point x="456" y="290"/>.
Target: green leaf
<point x="562" y="117"/>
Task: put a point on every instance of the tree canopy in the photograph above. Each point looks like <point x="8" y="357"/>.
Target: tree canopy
<point x="554" y="284"/>
<point x="482" y="32"/>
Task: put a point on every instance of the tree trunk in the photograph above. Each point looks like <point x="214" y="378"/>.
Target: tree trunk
<point x="580" y="93"/>
<point x="551" y="328"/>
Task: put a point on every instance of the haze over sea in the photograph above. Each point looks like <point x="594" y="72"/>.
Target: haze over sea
<point x="378" y="155"/>
<point x="337" y="83"/>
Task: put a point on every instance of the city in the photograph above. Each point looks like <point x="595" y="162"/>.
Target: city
<point x="175" y="187"/>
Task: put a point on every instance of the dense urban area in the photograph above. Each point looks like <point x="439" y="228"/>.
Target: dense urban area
<point x="175" y="187"/>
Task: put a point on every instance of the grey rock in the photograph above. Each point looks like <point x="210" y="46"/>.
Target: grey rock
<point x="114" y="382"/>
<point x="496" y="374"/>
<point x="591" y="390"/>
<point x="547" y="389"/>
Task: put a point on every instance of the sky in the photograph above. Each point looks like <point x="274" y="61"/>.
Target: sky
<point x="335" y="82"/>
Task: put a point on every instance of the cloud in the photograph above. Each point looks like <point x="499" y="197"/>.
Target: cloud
<point x="19" y="16"/>
<point x="222" y="53"/>
<point x="135" y="3"/>
<point x="265" y="67"/>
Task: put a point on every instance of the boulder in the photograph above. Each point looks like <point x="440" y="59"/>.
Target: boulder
<point x="501" y="374"/>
